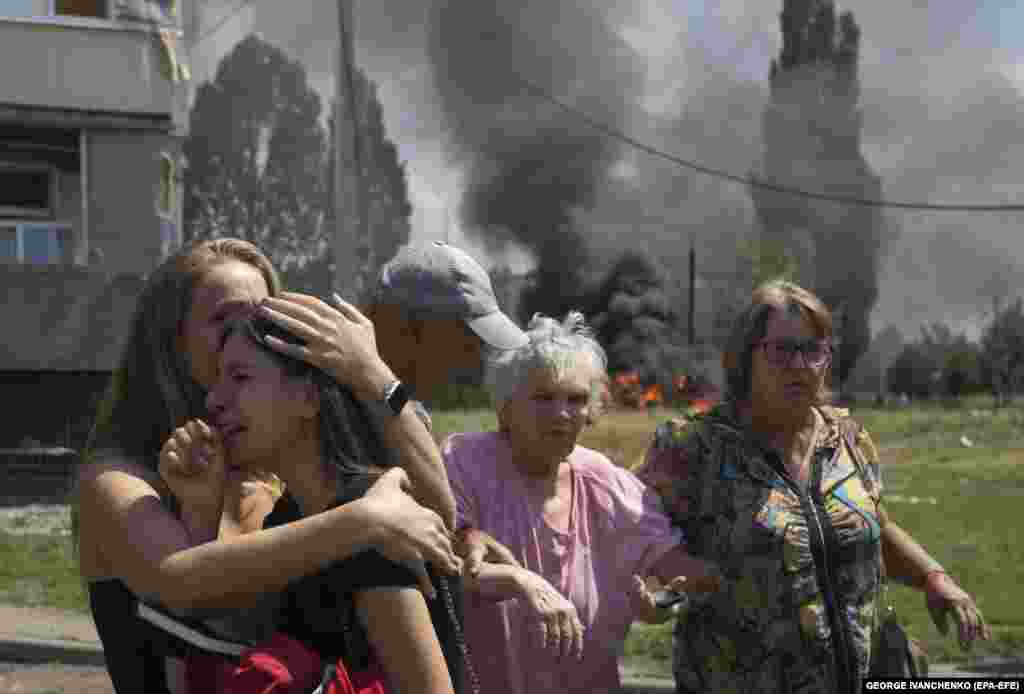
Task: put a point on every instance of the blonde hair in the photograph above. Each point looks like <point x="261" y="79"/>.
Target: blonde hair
<point x="750" y="327"/>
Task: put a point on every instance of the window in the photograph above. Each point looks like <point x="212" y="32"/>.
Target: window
<point x="21" y="8"/>
<point x="27" y="190"/>
<point x="81" y="8"/>
<point x="35" y="244"/>
<point x="8" y="244"/>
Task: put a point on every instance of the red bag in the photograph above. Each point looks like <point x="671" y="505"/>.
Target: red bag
<point x="281" y="665"/>
<point x="337" y="680"/>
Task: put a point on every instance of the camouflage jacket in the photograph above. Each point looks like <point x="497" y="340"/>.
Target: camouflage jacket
<point x="769" y="629"/>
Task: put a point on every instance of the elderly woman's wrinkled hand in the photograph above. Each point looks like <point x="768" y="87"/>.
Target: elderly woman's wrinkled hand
<point x="560" y="626"/>
<point x="339" y="339"/>
<point x="475" y="547"/>
<point x="944" y="598"/>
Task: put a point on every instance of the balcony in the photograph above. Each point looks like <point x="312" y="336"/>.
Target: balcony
<point x="81" y="63"/>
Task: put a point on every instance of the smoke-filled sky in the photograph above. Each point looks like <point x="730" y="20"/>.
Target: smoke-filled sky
<point x="942" y="93"/>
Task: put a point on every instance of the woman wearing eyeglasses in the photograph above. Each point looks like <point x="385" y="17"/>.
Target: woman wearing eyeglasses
<point x="783" y="493"/>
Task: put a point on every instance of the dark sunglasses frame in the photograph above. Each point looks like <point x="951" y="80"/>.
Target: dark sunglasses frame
<point x="791" y="347"/>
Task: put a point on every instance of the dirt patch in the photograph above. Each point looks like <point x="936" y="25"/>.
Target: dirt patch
<point x="896" y="455"/>
<point x="54" y="679"/>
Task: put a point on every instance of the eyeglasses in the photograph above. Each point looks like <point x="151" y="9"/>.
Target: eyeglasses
<point x="816" y="353"/>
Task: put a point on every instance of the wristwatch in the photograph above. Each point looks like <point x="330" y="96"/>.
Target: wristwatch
<point x="393" y="398"/>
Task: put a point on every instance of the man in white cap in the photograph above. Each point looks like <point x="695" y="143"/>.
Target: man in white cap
<point x="433" y="311"/>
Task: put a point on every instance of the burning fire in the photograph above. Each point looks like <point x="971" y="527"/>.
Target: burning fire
<point x="629" y="390"/>
<point x="652" y="395"/>
<point x="700" y="405"/>
<point x="627" y="378"/>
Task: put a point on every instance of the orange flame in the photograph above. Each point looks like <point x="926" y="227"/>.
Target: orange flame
<point x="627" y="378"/>
<point x="701" y="405"/>
<point x="652" y="395"/>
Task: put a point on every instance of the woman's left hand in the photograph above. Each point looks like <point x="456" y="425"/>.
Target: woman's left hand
<point x="944" y="597"/>
<point x="339" y="339"/>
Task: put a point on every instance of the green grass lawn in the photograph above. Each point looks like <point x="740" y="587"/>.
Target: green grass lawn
<point x="974" y="527"/>
<point x="37" y="570"/>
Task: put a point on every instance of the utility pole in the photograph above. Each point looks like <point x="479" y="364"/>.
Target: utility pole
<point x="693" y="293"/>
<point x="351" y="249"/>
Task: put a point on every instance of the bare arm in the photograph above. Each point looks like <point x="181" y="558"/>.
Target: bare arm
<point x="152" y="550"/>
<point x="906" y="561"/>
<point x="408" y="438"/>
<point x="558" y="622"/>
<point x="495" y="582"/>
<point x="246" y="504"/>
<point x="402" y="635"/>
<point x="475" y="547"/>
<point x="701" y="576"/>
<point x="909" y="563"/>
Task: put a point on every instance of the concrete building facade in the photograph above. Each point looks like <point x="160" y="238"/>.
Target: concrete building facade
<point x="93" y="107"/>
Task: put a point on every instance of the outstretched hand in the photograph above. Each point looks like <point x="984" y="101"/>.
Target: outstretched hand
<point x="944" y="599"/>
<point x="339" y="339"/>
<point x="645" y="608"/>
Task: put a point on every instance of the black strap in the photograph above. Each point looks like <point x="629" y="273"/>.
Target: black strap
<point x="181" y="635"/>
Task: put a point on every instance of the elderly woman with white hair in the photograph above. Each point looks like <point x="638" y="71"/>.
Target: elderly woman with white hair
<point x="583" y="530"/>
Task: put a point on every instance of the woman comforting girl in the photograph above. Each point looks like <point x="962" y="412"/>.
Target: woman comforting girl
<point x="277" y="413"/>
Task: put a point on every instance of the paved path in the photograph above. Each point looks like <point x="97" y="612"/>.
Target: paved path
<point x="45" y="649"/>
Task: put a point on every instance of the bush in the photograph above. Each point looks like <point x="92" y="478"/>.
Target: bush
<point x="914" y="373"/>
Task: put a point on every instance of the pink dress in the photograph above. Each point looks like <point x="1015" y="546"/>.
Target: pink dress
<point x="616" y="529"/>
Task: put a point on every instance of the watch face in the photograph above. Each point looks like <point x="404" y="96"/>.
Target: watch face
<point x="397" y="397"/>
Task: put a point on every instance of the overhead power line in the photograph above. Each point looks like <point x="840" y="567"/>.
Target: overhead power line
<point x="750" y="180"/>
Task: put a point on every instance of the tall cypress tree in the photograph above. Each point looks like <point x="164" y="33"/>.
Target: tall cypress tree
<point x="811" y="130"/>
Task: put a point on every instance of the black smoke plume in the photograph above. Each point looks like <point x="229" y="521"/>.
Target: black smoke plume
<point x="635" y="320"/>
<point x="529" y="167"/>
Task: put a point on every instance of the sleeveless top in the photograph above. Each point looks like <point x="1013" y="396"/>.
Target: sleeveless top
<point x="133" y="649"/>
<point x="318" y="610"/>
<point x="800" y="565"/>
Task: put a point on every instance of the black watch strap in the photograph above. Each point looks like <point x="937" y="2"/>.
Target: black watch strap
<point x="396" y="396"/>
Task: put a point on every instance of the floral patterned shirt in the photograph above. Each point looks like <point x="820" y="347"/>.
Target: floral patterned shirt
<point x="769" y="628"/>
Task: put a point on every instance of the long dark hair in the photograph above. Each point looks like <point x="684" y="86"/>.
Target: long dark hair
<point x="349" y="441"/>
<point x="152" y="391"/>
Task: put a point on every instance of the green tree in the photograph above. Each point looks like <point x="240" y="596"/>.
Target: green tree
<point x="1002" y="352"/>
<point x="384" y="182"/>
<point x="955" y="355"/>
<point x="812" y="136"/>
<point x="256" y="157"/>
<point x="913" y="372"/>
